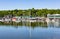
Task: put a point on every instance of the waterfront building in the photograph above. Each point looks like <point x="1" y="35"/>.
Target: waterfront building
<point x="53" y="17"/>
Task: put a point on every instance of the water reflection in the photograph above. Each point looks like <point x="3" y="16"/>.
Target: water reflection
<point x="9" y="32"/>
<point x="30" y="30"/>
<point x="33" y="24"/>
<point x="27" y="24"/>
<point x="54" y="24"/>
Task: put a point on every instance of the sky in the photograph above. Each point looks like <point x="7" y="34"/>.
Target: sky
<point x="28" y="4"/>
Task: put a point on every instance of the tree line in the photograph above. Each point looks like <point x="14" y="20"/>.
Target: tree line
<point x="29" y="12"/>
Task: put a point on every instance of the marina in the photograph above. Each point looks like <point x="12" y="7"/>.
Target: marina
<point x="53" y="18"/>
<point x="19" y="19"/>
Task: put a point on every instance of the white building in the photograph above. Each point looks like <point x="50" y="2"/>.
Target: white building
<point x="53" y="17"/>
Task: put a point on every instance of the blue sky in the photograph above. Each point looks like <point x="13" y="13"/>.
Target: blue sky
<point x="26" y="4"/>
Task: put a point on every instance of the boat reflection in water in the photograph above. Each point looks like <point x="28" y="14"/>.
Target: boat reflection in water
<point x="30" y="30"/>
<point x="54" y="23"/>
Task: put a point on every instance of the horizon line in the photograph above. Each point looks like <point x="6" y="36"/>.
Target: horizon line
<point x="29" y="8"/>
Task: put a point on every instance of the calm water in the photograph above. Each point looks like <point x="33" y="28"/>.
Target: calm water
<point x="27" y="30"/>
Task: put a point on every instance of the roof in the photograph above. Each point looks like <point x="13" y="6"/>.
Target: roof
<point x="53" y="16"/>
